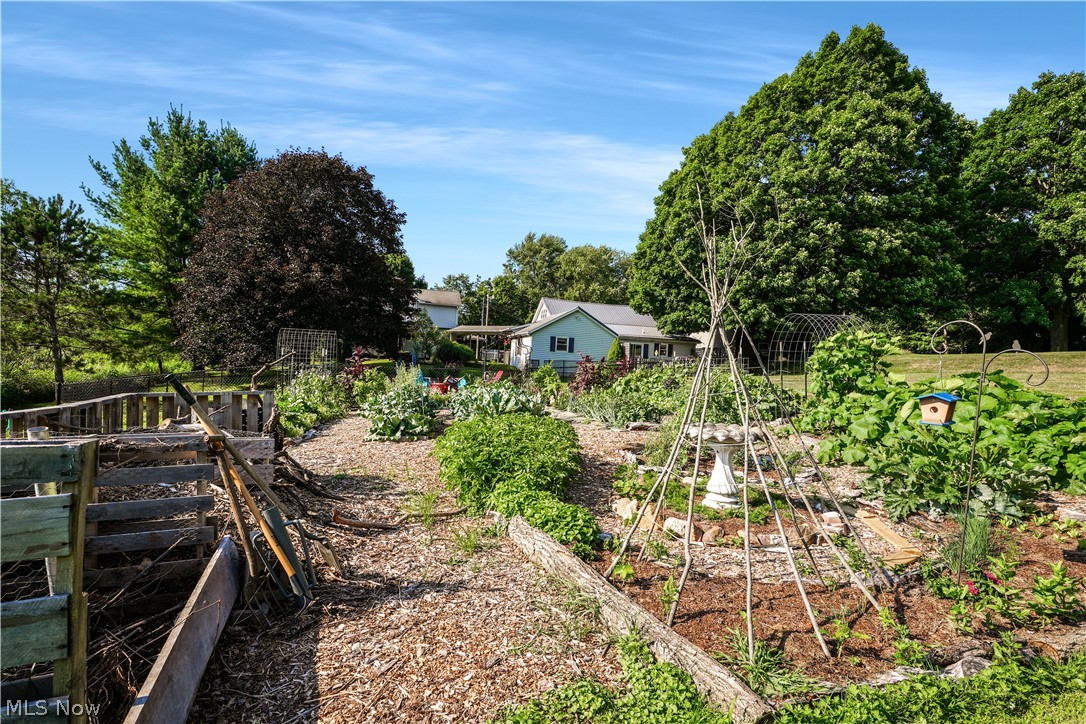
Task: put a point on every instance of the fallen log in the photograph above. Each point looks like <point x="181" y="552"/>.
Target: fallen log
<point x="621" y="616"/>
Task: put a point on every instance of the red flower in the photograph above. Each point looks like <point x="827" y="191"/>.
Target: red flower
<point x="972" y="587"/>
<point x="991" y="577"/>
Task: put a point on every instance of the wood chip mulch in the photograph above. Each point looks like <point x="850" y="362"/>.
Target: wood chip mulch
<point x="420" y="630"/>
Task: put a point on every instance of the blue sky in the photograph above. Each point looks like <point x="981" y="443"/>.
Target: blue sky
<point x="483" y="121"/>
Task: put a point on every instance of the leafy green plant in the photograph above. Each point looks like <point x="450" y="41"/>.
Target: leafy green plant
<point x="1028" y="439"/>
<point x="1055" y="597"/>
<point x="977" y="546"/>
<point x="537" y="452"/>
<point x="907" y="650"/>
<point x="312" y="398"/>
<point x="402" y="412"/>
<point x="669" y="594"/>
<point x="519" y="464"/>
<point x="649" y="691"/>
<point x="623" y="570"/>
<point x="502" y="398"/>
<point x="547" y="382"/>
<point x="841" y="632"/>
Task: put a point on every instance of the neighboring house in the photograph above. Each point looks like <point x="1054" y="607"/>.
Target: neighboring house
<point x="442" y="306"/>
<point x="561" y="331"/>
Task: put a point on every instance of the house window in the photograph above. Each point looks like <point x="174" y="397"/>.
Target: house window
<point x="561" y="344"/>
<point x="663" y="350"/>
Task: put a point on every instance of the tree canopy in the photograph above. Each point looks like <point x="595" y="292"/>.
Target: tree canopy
<point x="152" y="200"/>
<point x="542" y="266"/>
<point x="304" y="241"/>
<point x="50" y="266"/>
<point x="1026" y="177"/>
<point x="846" y="171"/>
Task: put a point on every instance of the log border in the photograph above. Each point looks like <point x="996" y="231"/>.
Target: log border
<point x="621" y="616"/>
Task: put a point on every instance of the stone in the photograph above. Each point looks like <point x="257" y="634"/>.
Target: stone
<point x="625" y="508"/>
<point x="1064" y="513"/>
<point x="969" y="666"/>
<point x="895" y="676"/>
<point x="677" y="528"/>
<point x="851" y="493"/>
<point x="833" y="523"/>
<point x="627" y="457"/>
<point x="641" y="425"/>
<point x="712" y="535"/>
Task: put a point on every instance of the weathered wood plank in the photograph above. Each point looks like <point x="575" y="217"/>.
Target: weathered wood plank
<point x="168" y="691"/>
<point x="253" y="448"/>
<point x="149" y="540"/>
<point x="622" y="615"/>
<point x="42" y="711"/>
<point x="27" y="464"/>
<point x="153" y="476"/>
<point x="32" y="689"/>
<point x="70" y="673"/>
<point x="113" y="577"/>
<point x="155" y="508"/>
<point x="35" y="527"/>
<point x="33" y="630"/>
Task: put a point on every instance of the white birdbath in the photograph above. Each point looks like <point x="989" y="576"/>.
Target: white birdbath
<point x="723" y="489"/>
<point x="724" y="441"/>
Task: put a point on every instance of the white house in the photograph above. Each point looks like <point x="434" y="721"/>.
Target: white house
<point x="561" y="331"/>
<point x="442" y="306"/>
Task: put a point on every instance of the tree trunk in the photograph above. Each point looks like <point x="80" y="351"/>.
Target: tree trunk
<point x="57" y="353"/>
<point x="1059" y="331"/>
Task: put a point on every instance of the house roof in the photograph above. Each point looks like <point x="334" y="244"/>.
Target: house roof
<point x="438" y="297"/>
<point x="532" y="328"/>
<point x="944" y="396"/>
<point x="620" y="319"/>
<point x="484" y="329"/>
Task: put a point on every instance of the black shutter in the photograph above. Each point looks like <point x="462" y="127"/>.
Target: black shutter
<point x="569" y="347"/>
<point x="554" y="343"/>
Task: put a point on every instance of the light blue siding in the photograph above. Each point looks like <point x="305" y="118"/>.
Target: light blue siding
<point x="589" y="338"/>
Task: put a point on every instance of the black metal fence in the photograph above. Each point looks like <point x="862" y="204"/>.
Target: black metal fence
<point x="196" y="380"/>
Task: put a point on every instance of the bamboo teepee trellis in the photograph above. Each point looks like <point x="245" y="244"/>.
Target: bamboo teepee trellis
<point x="722" y="264"/>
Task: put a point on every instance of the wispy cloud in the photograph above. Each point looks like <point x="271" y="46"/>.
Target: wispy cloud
<point x="617" y="177"/>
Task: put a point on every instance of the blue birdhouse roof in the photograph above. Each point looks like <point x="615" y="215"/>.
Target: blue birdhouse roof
<point x="944" y="396"/>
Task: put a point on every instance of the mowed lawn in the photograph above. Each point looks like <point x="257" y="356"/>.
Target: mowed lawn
<point x="1067" y="370"/>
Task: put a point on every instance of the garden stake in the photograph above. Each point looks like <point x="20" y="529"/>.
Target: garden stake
<point x="984" y="364"/>
<point x="806" y="451"/>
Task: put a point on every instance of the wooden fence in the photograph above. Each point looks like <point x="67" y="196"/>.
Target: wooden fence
<point x="51" y="628"/>
<point x="238" y="410"/>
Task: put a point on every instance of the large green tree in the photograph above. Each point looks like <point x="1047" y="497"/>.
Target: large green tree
<point x="152" y="200"/>
<point x="50" y="265"/>
<point x="1026" y="176"/>
<point x="845" y="174"/>
<point x="594" y="274"/>
<point x="304" y="241"/>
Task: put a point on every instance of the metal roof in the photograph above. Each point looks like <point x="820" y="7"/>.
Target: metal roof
<point x="438" y="297"/>
<point x="623" y="321"/>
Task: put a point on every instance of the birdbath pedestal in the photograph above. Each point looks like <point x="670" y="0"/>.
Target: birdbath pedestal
<point x="724" y="441"/>
<point x="723" y="489"/>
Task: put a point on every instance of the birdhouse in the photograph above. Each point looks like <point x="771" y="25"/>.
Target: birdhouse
<point x="937" y="408"/>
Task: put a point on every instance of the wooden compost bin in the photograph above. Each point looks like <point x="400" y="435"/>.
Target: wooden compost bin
<point x="47" y="525"/>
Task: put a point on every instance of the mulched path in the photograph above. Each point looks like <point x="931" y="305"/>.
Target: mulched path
<point x="421" y="631"/>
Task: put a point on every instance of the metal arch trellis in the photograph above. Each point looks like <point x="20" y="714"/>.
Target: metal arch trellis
<point x="796" y="335"/>
<point x="306" y="349"/>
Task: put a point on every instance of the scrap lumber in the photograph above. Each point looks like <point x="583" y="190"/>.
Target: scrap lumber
<point x="622" y="615"/>
<point x="905" y="552"/>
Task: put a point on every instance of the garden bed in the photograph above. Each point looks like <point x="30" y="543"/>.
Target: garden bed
<point x="713" y="600"/>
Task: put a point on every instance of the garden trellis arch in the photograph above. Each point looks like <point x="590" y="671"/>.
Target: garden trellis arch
<point x="305" y="349"/>
<point x="796" y="335"/>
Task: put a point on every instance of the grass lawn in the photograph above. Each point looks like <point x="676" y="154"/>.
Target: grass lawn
<point x="1067" y="370"/>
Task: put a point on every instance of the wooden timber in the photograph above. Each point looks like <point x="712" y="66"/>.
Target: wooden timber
<point x="168" y="691"/>
<point x="622" y="615"/>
